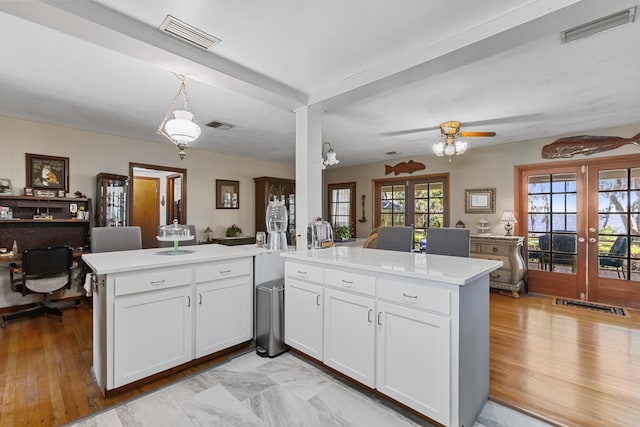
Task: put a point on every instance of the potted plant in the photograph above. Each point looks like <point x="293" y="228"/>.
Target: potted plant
<point x="233" y="231"/>
<point x="341" y="232"/>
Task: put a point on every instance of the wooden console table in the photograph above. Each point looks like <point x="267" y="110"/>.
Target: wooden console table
<point x="507" y="249"/>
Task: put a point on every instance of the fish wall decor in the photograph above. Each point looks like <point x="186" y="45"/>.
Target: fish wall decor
<point x="585" y="144"/>
<point x="404" y="167"/>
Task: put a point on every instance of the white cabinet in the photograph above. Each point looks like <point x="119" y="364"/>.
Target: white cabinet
<point x="223" y="314"/>
<point x="303" y="311"/>
<point x="349" y="334"/>
<point x="413" y="359"/>
<point x="152" y="333"/>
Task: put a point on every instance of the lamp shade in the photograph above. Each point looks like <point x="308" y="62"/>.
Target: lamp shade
<point x="507" y="216"/>
<point x="208" y="230"/>
<point x="182" y="128"/>
<point x="331" y="158"/>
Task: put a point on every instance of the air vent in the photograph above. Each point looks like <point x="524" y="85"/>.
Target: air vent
<point x="187" y="33"/>
<point x="626" y="16"/>
<point x="391" y="153"/>
<point x="219" y="125"/>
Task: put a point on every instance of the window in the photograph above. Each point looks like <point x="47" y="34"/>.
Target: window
<point x="342" y="202"/>
<point x="422" y="202"/>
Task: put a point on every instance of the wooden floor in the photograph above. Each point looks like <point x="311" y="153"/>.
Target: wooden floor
<point x="565" y="365"/>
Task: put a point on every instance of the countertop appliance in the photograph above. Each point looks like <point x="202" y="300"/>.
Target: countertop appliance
<point x="320" y="234"/>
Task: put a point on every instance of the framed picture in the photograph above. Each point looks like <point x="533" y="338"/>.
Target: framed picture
<point x="480" y="200"/>
<point x="5" y="187"/>
<point x="47" y="172"/>
<point x="227" y="194"/>
<point x="28" y="191"/>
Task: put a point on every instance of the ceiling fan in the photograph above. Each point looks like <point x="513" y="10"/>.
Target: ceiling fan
<point x="450" y="146"/>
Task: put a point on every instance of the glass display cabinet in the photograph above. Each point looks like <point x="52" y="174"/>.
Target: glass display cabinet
<point x="112" y="200"/>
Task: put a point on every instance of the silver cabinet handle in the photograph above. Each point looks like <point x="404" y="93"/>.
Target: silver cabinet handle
<point x="410" y="296"/>
<point x="188" y="301"/>
<point x="347" y="283"/>
<point x="379" y="321"/>
<point x="200" y="298"/>
<point x="225" y="271"/>
<point x="317" y="299"/>
<point x="302" y="272"/>
<point x="157" y="282"/>
<point x="369" y="313"/>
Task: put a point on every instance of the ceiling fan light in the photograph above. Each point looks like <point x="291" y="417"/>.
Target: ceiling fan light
<point x="182" y="128"/>
<point x="450" y="150"/>
<point x="460" y="147"/>
<point x="438" y="149"/>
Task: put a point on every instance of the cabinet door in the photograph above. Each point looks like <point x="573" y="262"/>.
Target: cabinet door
<point x="413" y="359"/>
<point x="152" y="333"/>
<point x="349" y="335"/>
<point x="223" y="314"/>
<point x="303" y="317"/>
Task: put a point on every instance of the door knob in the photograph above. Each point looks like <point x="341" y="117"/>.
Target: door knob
<point x="592" y="240"/>
<point x="592" y="229"/>
<point x="581" y="239"/>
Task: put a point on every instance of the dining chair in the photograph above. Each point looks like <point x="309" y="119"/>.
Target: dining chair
<point x="448" y="241"/>
<point x="395" y="238"/>
<point x="110" y="239"/>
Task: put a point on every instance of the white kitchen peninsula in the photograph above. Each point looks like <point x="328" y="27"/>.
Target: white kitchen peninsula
<point x="153" y="311"/>
<point x="411" y="325"/>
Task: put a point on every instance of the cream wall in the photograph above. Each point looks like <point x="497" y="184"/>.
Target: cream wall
<point x="477" y="168"/>
<point x="91" y="153"/>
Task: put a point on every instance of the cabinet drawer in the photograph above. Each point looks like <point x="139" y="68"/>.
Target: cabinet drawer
<point x="506" y="261"/>
<point x="150" y="280"/>
<point x="223" y="269"/>
<point x="502" y="275"/>
<point x="350" y="281"/>
<point x="421" y="296"/>
<point x="303" y="272"/>
<point x="489" y="249"/>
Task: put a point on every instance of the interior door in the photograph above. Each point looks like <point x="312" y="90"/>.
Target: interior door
<point x="146" y="213"/>
<point x="582" y="223"/>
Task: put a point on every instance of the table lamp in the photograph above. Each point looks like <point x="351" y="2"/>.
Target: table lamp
<point x="208" y="230"/>
<point x="508" y="219"/>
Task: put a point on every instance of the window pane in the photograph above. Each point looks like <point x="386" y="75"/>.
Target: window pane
<point x="386" y="220"/>
<point x="421" y="190"/>
<point x="564" y="222"/>
<point x="436" y="189"/>
<point x="386" y="192"/>
<point x="538" y="222"/>
<point x="635" y="201"/>
<point x="421" y="221"/>
<point x="436" y="220"/>
<point x="398" y="220"/>
<point x="635" y="179"/>
<point x="539" y="203"/>
<point x="612" y="180"/>
<point x="613" y="223"/>
<point x="539" y="184"/>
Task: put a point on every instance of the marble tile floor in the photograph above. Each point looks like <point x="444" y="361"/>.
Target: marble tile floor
<point x="280" y="392"/>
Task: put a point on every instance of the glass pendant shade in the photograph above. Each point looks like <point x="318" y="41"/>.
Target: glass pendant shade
<point x="182" y="128"/>
<point x="331" y="158"/>
<point x="438" y="149"/>
<point x="461" y="147"/>
<point x="449" y="150"/>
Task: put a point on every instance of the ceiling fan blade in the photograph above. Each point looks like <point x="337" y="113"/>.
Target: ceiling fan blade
<point x="468" y="134"/>
<point x="409" y="131"/>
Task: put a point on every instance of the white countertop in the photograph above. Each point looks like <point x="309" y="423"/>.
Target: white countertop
<point x="121" y="261"/>
<point x="448" y="269"/>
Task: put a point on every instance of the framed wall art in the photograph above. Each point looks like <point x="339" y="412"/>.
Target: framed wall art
<point x="48" y="173"/>
<point x="5" y="187"/>
<point x="227" y="194"/>
<point x="480" y="200"/>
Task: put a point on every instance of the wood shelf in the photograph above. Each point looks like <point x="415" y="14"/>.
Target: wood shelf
<point x="47" y="221"/>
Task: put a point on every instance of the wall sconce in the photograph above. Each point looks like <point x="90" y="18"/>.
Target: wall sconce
<point x="508" y="219"/>
<point x="330" y="159"/>
<point x="182" y="130"/>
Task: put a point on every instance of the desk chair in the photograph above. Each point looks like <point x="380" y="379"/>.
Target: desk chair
<point x="395" y="239"/>
<point x="44" y="271"/>
<point x="111" y="239"/>
<point x="448" y="241"/>
<point x="192" y="230"/>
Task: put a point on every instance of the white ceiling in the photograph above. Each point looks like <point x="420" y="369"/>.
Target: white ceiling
<point x="383" y="72"/>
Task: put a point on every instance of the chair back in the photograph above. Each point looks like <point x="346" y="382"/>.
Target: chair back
<point x="395" y="238"/>
<point x="448" y="241"/>
<point x="46" y="270"/>
<point x="192" y="231"/>
<point x="619" y="247"/>
<point x="110" y="239"/>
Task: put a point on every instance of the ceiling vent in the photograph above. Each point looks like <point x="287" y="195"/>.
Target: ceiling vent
<point x="626" y="16"/>
<point x="219" y="125"/>
<point x="186" y="32"/>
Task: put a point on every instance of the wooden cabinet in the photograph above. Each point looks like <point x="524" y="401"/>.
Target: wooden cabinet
<point x="266" y="189"/>
<point x="57" y="224"/>
<point x="507" y="249"/>
<point x="112" y="195"/>
<point x="303" y="309"/>
<point x="223" y="303"/>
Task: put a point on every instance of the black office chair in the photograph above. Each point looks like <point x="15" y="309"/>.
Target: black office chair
<point x="43" y="271"/>
<point x="618" y="249"/>
<point x="448" y="241"/>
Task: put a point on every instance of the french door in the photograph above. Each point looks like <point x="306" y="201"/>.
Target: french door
<point x="582" y="223"/>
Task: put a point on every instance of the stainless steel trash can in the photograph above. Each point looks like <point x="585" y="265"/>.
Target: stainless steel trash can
<point x="270" y="318"/>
